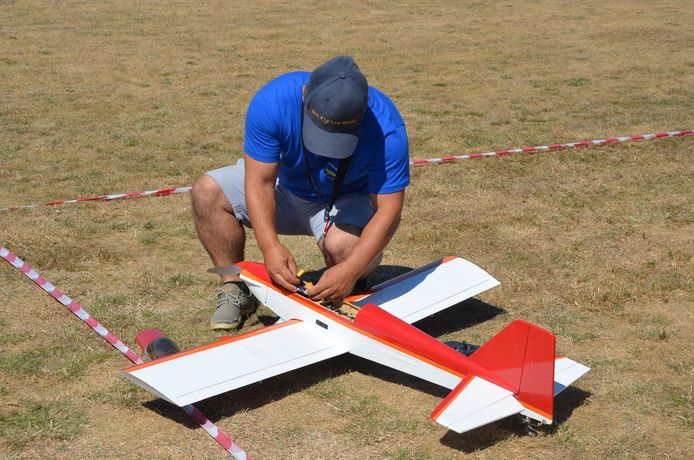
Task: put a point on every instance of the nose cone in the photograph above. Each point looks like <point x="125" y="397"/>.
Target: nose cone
<point x="255" y="270"/>
<point x="147" y="336"/>
<point x="256" y="278"/>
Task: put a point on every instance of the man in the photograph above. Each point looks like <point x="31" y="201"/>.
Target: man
<point x="325" y="155"/>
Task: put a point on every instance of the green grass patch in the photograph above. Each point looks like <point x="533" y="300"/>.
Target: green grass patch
<point x="28" y="362"/>
<point x="565" y="435"/>
<point x="121" y="225"/>
<point x="610" y="364"/>
<point x="7" y="338"/>
<point x="682" y="367"/>
<point x="151" y="225"/>
<point x="661" y="329"/>
<point x="365" y="414"/>
<point x="8" y="152"/>
<point x="58" y="361"/>
<point x="568" y="323"/>
<point x="149" y="239"/>
<point x="75" y="365"/>
<point x="293" y="431"/>
<point x="578" y="81"/>
<point x="403" y="453"/>
<point x="122" y="394"/>
<point x="104" y="301"/>
<point x="42" y="421"/>
<point x="185" y="279"/>
<point x="669" y="101"/>
<point x="130" y="141"/>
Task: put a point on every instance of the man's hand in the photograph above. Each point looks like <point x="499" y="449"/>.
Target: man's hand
<point x="281" y="267"/>
<point x="336" y="283"/>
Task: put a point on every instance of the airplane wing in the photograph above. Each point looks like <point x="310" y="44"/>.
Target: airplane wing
<point x="429" y="289"/>
<point x="189" y="376"/>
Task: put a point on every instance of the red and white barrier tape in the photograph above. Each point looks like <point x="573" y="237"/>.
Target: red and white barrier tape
<point x="116" y="196"/>
<point x="449" y="159"/>
<point x="212" y="429"/>
<point x="547" y="148"/>
<point x="73" y="306"/>
<point x="218" y="435"/>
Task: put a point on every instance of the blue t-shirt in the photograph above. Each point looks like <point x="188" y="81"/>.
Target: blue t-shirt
<point x="379" y="165"/>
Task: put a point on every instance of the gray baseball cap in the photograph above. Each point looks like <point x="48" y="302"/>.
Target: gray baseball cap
<point x="335" y="101"/>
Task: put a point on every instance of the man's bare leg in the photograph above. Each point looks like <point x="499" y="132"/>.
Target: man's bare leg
<point x="220" y="233"/>
<point x="339" y="242"/>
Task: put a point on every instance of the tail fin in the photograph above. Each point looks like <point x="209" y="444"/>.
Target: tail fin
<point x="523" y="354"/>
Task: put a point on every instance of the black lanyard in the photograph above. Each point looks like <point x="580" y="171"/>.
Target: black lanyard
<point x="337" y="184"/>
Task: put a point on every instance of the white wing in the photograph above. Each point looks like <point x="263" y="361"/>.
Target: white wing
<point x="200" y="373"/>
<point x="430" y="289"/>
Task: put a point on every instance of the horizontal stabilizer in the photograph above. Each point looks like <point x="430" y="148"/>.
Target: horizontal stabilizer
<point x="186" y="377"/>
<point x="566" y="372"/>
<point x="473" y="403"/>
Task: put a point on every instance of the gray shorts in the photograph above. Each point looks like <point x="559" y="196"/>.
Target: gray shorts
<point x="294" y="215"/>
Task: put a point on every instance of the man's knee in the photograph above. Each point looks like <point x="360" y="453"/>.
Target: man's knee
<point x="205" y="188"/>
<point x="340" y="241"/>
<point x="206" y="194"/>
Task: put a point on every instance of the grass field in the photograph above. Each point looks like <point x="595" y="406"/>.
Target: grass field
<point x="595" y="244"/>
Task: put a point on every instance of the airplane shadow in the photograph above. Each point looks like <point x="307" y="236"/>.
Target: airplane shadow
<point x="276" y="388"/>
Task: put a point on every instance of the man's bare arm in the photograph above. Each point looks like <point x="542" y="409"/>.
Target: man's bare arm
<point x="259" y="186"/>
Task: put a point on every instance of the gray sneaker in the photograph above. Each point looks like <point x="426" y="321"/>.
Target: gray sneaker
<point x="232" y="305"/>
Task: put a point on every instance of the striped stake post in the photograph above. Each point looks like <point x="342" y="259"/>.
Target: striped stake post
<point x="449" y="159"/>
<point x="218" y="435"/>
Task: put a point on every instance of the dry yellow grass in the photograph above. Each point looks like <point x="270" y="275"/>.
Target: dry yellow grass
<point x="595" y="245"/>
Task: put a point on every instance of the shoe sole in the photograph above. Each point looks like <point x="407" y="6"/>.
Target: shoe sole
<point x="224" y="326"/>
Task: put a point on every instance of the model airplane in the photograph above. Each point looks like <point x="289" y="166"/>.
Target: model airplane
<point x="516" y="372"/>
